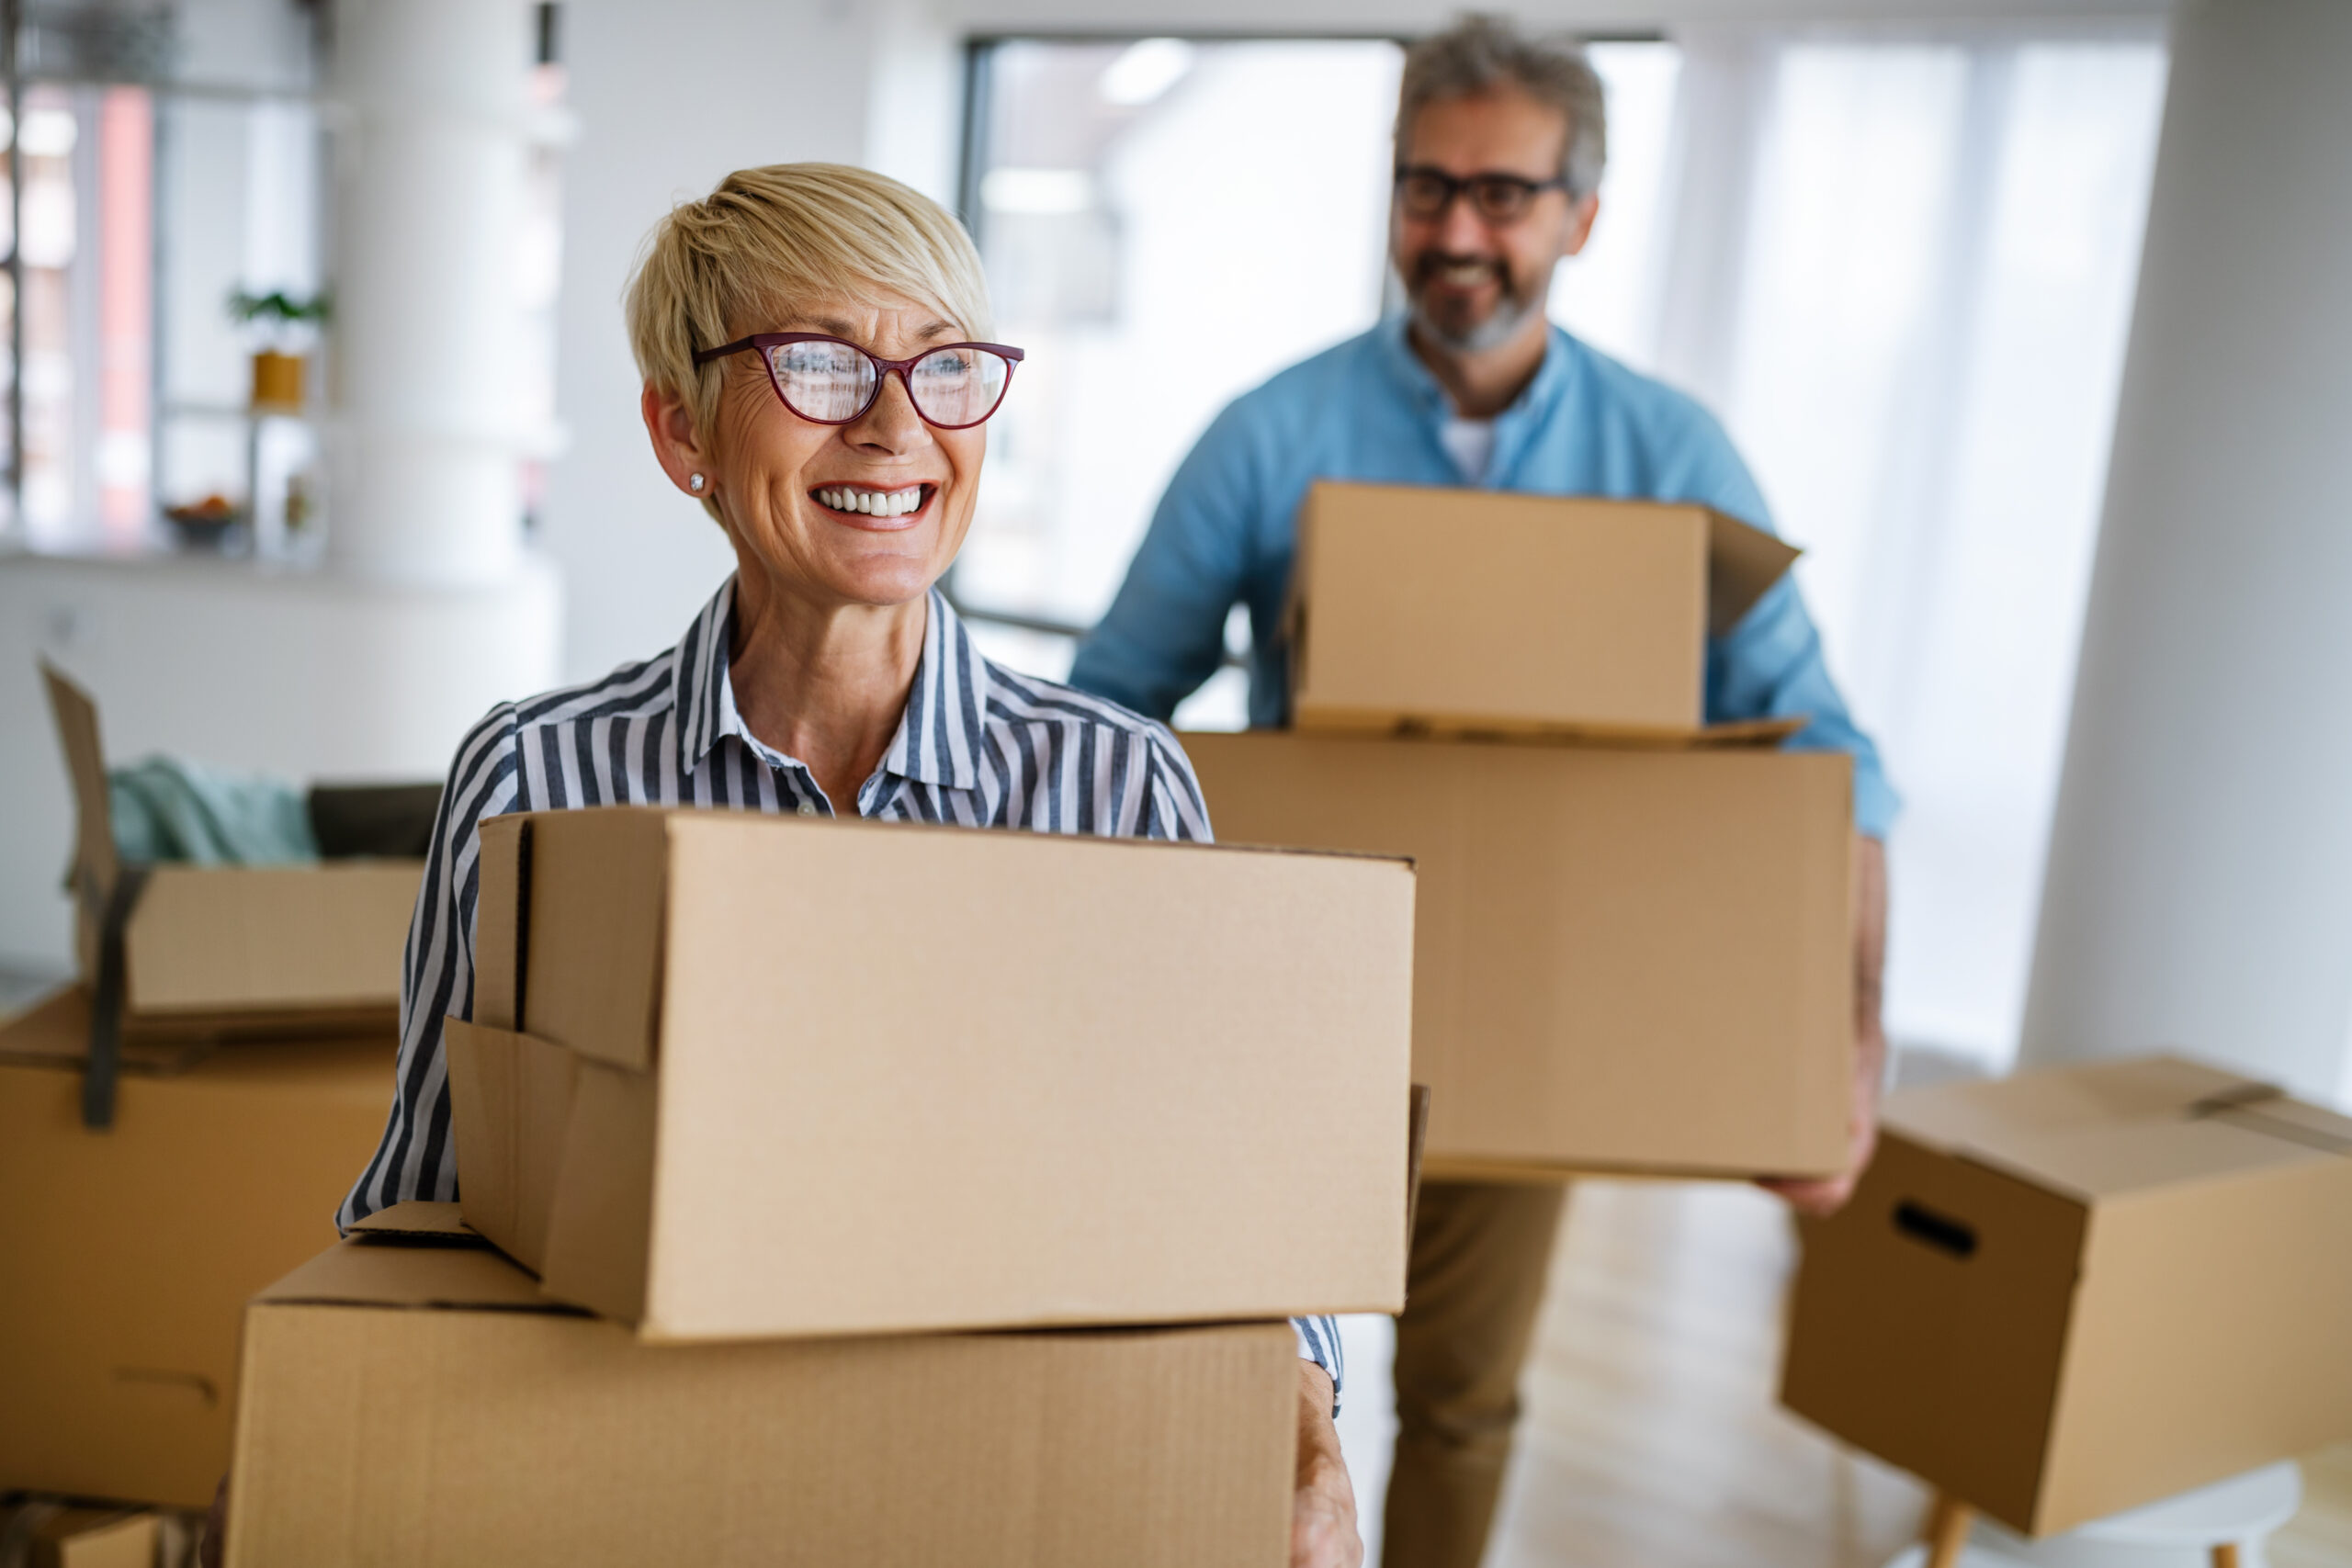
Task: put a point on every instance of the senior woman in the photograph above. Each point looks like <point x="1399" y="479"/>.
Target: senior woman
<point x="807" y="334"/>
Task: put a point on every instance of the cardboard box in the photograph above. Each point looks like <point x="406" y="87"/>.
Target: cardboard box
<point x="784" y="1077"/>
<point x="2076" y="1291"/>
<point x="127" y="1255"/>
<point x="1449" y="611"/>
<point x="1625" y="960"/>
<point x="232" y="950"/>
<point x="43" y="1534"/>
<point x="414" y="1403"/>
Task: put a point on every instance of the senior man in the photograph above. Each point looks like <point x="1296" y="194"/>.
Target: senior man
<point x="1501" y="140"/>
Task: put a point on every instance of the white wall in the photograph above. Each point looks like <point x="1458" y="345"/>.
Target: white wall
<point x="2199" y="884"/>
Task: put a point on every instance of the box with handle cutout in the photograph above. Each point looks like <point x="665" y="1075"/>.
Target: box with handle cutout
<point x="2068" y="1293"/>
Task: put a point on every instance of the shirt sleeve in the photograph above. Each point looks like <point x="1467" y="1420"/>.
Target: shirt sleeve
<point x="417" y="1158"/>
<point x="1769" y="665"/>
<point x="1164" y="633"/>
<point x="1174" y="809"/>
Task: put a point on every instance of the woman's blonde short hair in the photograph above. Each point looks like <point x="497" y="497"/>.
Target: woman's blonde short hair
<point x="720" y="268"/>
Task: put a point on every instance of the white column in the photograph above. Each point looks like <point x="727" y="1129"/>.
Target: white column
<point x="432" y="106"/>
<point x="2200" y="883"/>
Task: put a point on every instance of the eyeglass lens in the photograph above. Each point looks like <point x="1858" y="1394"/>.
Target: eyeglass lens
<point x="1499" y="199"/>
<point x="834" y="382"/>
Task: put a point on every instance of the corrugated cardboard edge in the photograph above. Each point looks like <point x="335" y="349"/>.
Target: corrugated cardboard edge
<point x="1324" y="719"/>
<point x="54" y="1031"/>
<point x="418" y="1220"/>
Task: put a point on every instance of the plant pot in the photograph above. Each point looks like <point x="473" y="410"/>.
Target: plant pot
<point x="277" y="381"/>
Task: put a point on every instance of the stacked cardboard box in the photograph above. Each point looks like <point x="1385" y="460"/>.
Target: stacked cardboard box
<point x="131" y="1250"/>
<point x="1635" y="944"/>
<point x="175" y="1132"/>
<point x="793" y="1107"/>
<point x="2075" y="1291"/>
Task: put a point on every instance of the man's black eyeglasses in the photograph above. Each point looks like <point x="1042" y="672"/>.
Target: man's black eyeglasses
<point x="1425" y="192"/>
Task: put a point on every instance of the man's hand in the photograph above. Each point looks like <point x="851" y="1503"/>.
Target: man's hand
<point x="1323" y="1508"/>
<point x="1825" y="1195"/>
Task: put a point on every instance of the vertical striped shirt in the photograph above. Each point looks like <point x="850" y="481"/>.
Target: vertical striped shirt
<point x="978" y="746"/>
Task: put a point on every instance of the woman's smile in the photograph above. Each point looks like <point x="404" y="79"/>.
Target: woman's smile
<point x="875" y="506"/>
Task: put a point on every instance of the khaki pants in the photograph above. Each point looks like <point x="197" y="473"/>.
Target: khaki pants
<point x="1473" y="1288"/>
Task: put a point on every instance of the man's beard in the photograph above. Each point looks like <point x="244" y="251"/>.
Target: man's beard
<point x="1501" y="324"/>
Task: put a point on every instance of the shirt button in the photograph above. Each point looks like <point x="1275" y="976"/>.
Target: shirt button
<point x="808" y="809"/>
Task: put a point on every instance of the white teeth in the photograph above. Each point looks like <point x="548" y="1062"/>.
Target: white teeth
<point x="872" y="503"/>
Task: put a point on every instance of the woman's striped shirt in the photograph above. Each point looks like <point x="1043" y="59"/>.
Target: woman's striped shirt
<point x="978" y="746"/>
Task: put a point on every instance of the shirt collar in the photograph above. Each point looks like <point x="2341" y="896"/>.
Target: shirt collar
<point x="940" y="733"/>
<point x="1531" y="408"/>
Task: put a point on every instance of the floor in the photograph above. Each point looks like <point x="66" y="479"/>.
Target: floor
<point x="1652" y="1438"/>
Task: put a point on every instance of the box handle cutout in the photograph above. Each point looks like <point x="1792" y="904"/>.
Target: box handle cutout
<point x="1941" y="1231"/>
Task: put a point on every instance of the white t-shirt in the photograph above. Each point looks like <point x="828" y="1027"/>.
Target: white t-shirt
<point x="1471" y="444"/>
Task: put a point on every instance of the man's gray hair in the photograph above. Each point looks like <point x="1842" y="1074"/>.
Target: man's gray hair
<point x="1481" y="52"/>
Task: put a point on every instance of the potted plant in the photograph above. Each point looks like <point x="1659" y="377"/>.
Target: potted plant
<point x="287" y="323"/>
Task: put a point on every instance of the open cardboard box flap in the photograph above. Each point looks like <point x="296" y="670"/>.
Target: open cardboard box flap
<point x="440" y="1267"/>
<point x="226" y="951"/>
<point x="421" y="1221"/>
<point x="1743" y="561"/>
<point x="2105" y="1130"/>
<point x="96" y="865"/>
<point x="1582" y="617"/>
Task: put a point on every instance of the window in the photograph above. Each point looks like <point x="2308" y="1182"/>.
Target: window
<point x="168" y="162"/>
<point x="157" y="173"/>
<point x="1165" y="224"/>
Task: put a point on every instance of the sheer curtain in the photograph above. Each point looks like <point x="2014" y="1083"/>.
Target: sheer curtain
<point x="1900" y="269"/>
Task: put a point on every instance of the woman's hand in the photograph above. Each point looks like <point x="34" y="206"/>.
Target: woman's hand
<point x="1323" y="1508"/>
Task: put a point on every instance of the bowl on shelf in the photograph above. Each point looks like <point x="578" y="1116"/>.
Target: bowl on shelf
<point x="205" y="524"/>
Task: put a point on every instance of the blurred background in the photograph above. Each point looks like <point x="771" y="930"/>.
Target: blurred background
<point x="319" y="435"/>
<point x="1892" y="246"/>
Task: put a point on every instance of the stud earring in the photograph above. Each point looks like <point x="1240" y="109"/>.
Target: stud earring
<point x="695" y="483"/>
